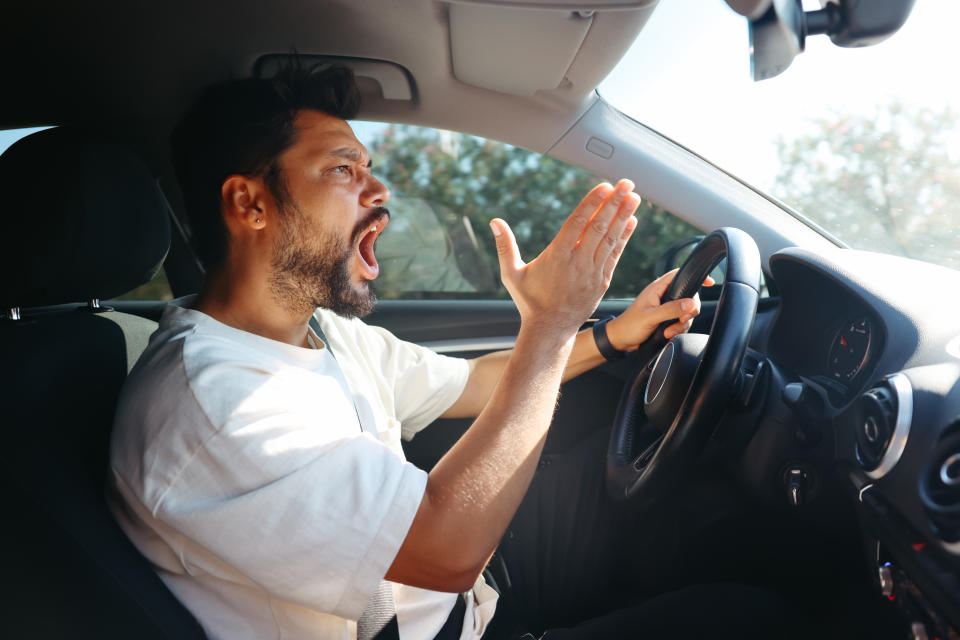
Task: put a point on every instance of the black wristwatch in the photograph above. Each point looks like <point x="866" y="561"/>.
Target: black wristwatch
<point x="607" y="350"/>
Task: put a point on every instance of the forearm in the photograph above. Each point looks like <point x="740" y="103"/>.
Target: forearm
<point x="474" y="490"/>
<point x="584" y="356"/>
<point x="486" y="370"/>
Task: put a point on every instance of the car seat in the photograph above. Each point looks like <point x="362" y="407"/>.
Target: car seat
<point x="84" y="222"/>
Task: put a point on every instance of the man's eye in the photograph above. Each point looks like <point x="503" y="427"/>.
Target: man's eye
<point x="344" y="168"/>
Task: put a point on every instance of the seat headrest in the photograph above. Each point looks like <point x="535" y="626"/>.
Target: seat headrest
<point x="84" y="219"/>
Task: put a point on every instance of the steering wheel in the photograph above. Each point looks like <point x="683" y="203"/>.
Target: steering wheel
<point x="679" y="388"/>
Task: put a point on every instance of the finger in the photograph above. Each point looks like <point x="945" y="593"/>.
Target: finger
<point x="508" y="254"/>
<point x="600" y="223"/>
<point x="627" y="207"/>
<point x="660" y="285"/>
<point x="672" y="310"/>
<point x="676" y="329"/>
<point x="611" y="264"/>
<point x="681" y="326"/>
<point x="573" y="227"/>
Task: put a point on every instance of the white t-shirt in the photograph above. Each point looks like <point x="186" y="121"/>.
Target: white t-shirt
<point x="242" y="473"/>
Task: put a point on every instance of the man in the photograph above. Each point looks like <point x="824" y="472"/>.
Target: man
<point x="257" y="462"/>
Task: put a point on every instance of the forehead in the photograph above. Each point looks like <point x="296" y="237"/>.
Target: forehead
<point x="319" y="133"/>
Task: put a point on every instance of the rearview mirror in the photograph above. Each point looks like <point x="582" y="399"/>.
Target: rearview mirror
<point x="779" y="28"/>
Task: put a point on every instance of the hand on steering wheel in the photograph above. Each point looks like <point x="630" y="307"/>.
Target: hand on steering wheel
<point x="681" y="386"/>
<point x="650" y="310"/>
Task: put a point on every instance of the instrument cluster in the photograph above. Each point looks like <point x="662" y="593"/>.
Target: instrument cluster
<point x="850" y="349"/>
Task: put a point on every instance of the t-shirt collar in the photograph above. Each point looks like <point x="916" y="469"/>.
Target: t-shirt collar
<point x="180" y="312"/>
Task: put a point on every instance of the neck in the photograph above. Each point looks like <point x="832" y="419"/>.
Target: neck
<point x="240" y="297"/>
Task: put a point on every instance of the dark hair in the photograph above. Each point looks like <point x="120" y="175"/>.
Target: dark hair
<point x="241" y="127"/>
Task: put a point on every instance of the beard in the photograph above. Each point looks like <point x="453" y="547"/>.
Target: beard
<point x="311" y="270"/>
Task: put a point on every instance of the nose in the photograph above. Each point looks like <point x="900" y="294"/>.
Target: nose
<point x="375" y="193"/>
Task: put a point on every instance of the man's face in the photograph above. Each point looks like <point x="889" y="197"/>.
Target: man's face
<point x="329" y="219"/>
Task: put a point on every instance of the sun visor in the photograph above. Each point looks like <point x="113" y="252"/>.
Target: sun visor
<point x="514" y="50"/>
<point x="520" y="47"/>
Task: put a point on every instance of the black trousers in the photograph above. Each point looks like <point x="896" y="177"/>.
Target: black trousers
<point x="573" y="565"/>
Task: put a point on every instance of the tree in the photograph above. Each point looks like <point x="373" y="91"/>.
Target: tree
<point x="884" y="183"/>
<point x="477" y="180"/>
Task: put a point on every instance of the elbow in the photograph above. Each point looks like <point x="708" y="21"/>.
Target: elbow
<point x="441" y="553"/>
<point x="435" y="573"/>
<point x="453" y="577"/>
<point x="463" y="581"/>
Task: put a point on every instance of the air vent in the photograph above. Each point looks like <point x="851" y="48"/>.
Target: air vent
<point x="882" y="421"/>
<point x="940" y="485"/>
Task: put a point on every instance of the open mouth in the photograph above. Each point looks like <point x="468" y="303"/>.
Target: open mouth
<point x="365" y="246"/>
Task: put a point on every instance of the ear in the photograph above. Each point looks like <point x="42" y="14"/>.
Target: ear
<point x="242" y="199"/>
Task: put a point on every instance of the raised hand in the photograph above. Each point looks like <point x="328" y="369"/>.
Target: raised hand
<point x="563" y="285"/>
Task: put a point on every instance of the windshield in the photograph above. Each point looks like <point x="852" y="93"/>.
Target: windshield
<point x="864" y="142"/>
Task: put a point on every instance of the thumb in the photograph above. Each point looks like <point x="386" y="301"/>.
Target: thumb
<point x="507" y="251"/>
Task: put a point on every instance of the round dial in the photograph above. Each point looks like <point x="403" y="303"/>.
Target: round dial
<point x="849" y="350"/>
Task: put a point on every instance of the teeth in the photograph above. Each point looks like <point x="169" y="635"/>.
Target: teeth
<point x="374" y="228"/>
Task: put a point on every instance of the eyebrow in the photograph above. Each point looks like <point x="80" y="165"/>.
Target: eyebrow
<point x="350" y="153"/>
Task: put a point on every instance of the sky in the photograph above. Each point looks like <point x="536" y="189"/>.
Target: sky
<point x="688" y="77"/>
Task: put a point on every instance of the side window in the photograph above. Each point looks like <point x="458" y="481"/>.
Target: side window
<point x="447" y="186"/>
<point x="9" y="136"/>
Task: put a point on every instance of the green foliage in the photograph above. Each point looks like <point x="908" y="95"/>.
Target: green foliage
<point x="885" y="183"/>
<point x="481" y="179"/>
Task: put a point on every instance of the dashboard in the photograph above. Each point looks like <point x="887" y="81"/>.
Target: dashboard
<point x="868" y="346"/>
<point x="825" y="332"/>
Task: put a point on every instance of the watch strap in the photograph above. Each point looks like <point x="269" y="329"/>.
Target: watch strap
<point x="600" y="337"/>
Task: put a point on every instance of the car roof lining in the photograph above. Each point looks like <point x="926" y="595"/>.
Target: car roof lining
<point x="89" y="69"/>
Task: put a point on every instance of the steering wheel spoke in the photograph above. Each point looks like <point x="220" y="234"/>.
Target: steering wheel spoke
<point x="642" y="460"/>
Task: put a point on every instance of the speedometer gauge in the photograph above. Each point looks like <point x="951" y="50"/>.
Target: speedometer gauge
<point x="849" y="350"/>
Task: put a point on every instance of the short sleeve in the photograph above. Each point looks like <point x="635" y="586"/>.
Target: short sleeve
<point x="312" y="521"/>
<point x="425" y="383"/>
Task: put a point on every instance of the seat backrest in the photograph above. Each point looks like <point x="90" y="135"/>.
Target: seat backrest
<point x="90" y="224"/>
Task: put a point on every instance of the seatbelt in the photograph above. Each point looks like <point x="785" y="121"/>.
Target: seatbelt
<point x="379" y="618"/>
<point x="315" y="325"/>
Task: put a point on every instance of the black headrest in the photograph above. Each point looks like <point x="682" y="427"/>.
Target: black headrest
<point x="83" y="219"/>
